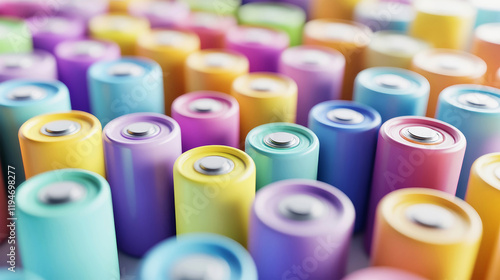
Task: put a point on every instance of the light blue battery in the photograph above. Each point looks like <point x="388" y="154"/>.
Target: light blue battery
<point x="393" y="92"/>
<point x="347" y="133"/>
<point x="283" y="151"/>
<point x="474" y="110"/>
<point x="124" y="86"/>
<point x="380" y="15"/>
<point x="487" y="11"/>
<point x="198" y="256"/>
<point x="20" y="100"/>
<point x="19" y="274"/>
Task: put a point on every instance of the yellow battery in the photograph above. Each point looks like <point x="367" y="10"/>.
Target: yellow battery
<point x="214" y="187"/>
<point x="121" y="6"/>
<point x="349" y="38"/>
<point x="427" y="232"/>
<point x="170" y="48"/>
<point x="214" y="70"/>
<point x="264" y="98"/>
<point x="444" y="23"/>
<point x="119" y="28"/>
<point x="62" y="140"/>
<point x="335" y="9"/>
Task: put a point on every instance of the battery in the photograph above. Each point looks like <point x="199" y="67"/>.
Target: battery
<point x="4" y="230"/>
<point x="488" y="11"/>
<point x="16" y="36"/>
<point x="62" y="140"/>
<point x="393" y="92"/>
<point x="83" y="10"/>
<point x="214" y="187"/>
<point x="64" y="216"/>
<point x="24" y="9"/>
<point x="21" y="100"/>
<point x="214" y="70"/>
<point x="300" y="228"/>
<point x="305" y="5"/>
<point x="444" y="68"/>
<point x="222" y="8"/>
<point x="262" y="46"/>
<point x="487" y="46"/>
<point x="160" y="14"/>
<point x="384" y="15"/>
<point x="169" y="48"/>
<point x="281" y="16"/>
<point x="36" y="65"/>
<point x="120" y="6"/>
<point x="318" y="72"/>
<point x="140" y="150"/>
<point x="349" y="38"/>
<point x="198" y="256"/>
<point x="427" y="232"/>
<point x="212" y="114"/>
<point x="339" y="9"/>
<point x="283" y="151"/>
<point x="47" y="32"/>
<point x="382" y="273"/>
<point x="123" y="86"/>
<point x="414" y="152"/>
<point x="211" y="28"/>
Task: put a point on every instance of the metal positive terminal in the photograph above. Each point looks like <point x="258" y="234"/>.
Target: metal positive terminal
<point x="126" y="69"/>
<point x="392" y="81"/>
<point x="281" y="140"/>
<point x="422" y="134"/>
<point x="430" y="215"/>
<point x="314" y="57"/>
<point x="478" y="100"/>
<point x="346" y="116"/>
<point x="264" y="84"/>
<point x="200" y="267"/>
<point x="17" y="61"/>
<point x="60" y="128"/>
<point x="214" y="165"/>
<point x="27" y="93"/>
<point x="205" y="105"/>
<point x="301" y="207"/>
<point x="62" y="192"/>
<point x="218" y="60"/>
<point x="449" y="62"/>
<point x="169" y="38"/>
<point x="141" y="129"/>
<point x="88" y="48"/>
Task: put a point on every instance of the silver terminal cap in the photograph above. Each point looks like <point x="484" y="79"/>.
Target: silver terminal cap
<point x="345" y="116"/>
<point x="314" y="57"/>
<point x="392" y="81"/>
<point x="301" y="207"/>
<point x="27" y="93"/>
<point x="18" y="61"/>
<point x="62" y="192"/>
<point x="205" y="105"/>
<point x="430" y="215"/>
<point x="89" y="48"/>
<point x="478" y="100"/>
<point x="141" y="129"/>
<point x="126" y="69"/>
<point x="264" y="85"/>
<point x="200" y="267"/>
<point x="60" y="128"/>
<point x="214" y="165"/>
<point x="218" y="60"/>
<point x="423" y="134"/>
<point x="281" y="140"/>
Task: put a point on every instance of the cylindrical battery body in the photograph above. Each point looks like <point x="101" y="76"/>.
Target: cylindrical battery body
<point x="16" y="36"/>
<point x="47" y="32"/>
<point x="380" y="15"/>
<point x="487" y="46"/>
<point x="160" y="14"/>
<point x="211" y="28"/>
<point x="36" y="65"/>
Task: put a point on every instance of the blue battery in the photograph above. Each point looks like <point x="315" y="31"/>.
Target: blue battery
<point x="198" y="256"/>
<point x="347" y="133"/>
<point x="393" y="92"/>
<point x="474" y="110"/>
<point x="487" y="11"/>
<point x="124" y="86"/>
<point x="20" y="100"/>
<point x="384" y="15"/>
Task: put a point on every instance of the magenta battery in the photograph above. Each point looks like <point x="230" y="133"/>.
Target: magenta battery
<point x="161" y="14"/>
<point x="140" y="150"/>
<point x="262" y="46"/>
<point x="47" y="32"/>
<point x="211" y="28"/>
<point x="414" y="152"/>
<point x="207" y="118"/>
<point x="25" y="8"/>
<point x="74" y="59"/>
<point x="300" y="229"/>
<point x="39" y="65"/>
<point x="318" y="72"/>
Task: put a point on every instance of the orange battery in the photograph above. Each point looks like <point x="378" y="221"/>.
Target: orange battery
<point x="121" y="6"/>
<point x="487" y="46"/>
<point x="335" y="9"/>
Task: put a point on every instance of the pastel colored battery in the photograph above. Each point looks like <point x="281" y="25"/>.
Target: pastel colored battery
<point x="24" y="9"/>
<point x="228" y="7"/>
<point x="487" y="46"/>
<point x="281" y="16"/>
<point x="347" y="133"/>
<point x="273" y="96"/>
<point x="83" y="10"/>
<point x="169" y="48"/>
<point x="62" y="140"/>
<point x="414" y="152"/>
<point x="384" y="15"/>
<point x="212" y="114"/>
<point x="38" y="64"/>
<point x="444" y="24"/>
<point x="444" y="68"/>
<point x="74" y="58"/>
<point x="67" y="213"/>
<point x="427" y="232"/>
<point x="318" y="72"/>
<point x="210" y="28"/>
<point x="262" y="46"/>
<point x="120" y="6"/>
<point x="393" y="92"/>
<point x="121" y="29"/>
<point x="214" y="187"/>
<point x="305" y="5"/>
<point x="198" y="256"/>
<point x="5" y="231"/>
<point x="160" y="14"/>
<point x="47" y="32"/>
<point x="21" y="100"/>
<point x="487" y="11"/>
<point x="123" y="86"/>
<point x="300" y="228"/>
<point x="18" y="275"/>
<point x="349" y="38"/>
<point x="340" y="9"/>
<point x="382" y="273"/>
<point x="15" y="36"/>
<point x="214" y="70"/>
<point x="140" y="150"/>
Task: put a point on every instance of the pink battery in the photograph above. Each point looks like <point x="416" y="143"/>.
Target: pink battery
<point x="382" y="273"/>
<point x="211" y="28"/>
<point x="262" y="46"/>
<point x="161" y="14"/>
<point x="83" y="10"/>
<point x="48" y="32"/>
<point x="207" y="118"/>
<point x="39" y="65"/>
<point x="25" y="8"/>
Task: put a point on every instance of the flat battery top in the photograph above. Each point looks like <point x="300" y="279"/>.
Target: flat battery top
<point x="200" y="267"/>
<point x="62" y="192"/>
<point x="301" y="207"/>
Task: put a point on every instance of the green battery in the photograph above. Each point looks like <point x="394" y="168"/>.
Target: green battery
<point x="226" y="7"/>
<point x="15" y="36"/>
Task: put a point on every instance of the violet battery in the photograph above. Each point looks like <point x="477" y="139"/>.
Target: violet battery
<point x="47" y="32"/>
<point x="39" y="65"/>
<point x="140" y="151"/>
<point x="161" y="14"/>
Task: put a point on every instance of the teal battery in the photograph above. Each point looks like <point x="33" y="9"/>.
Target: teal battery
<point x="20" y="100"/>
<point x="17" y="274"/>
<point x="65" y="227"/>
<point x="488" y="11"/>
<point x="283" y="151"/>
<point x="124" y="86"/>
<point x="393" y="92"/>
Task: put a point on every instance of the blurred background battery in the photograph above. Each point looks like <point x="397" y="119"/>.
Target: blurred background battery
<point x="24" y="8"/>
<point x="339" y="9"/>
<point x="67" y="209"/>
<point x="160" y="14"/>
<point x="38" y="64"/>
<point x="305" y="5"/>
<point x="83" y="10"/>
<point x="15" y="36"/>
<point x="318" y="72"/>
<point x="283" y="151"/>
<point x="297" y="225"/>
<point x="380" y="15"/>
<point x="488" y="11"/>
<point x="213" y="115"/>
<point x="21" y="100"/>
<point x="262" y="46"/>
<point x="62" y="140"/>
<point x="393" y="92"/>
<point x="427" y="232"/>
<point x="47" y="32"/>
<point x="382" y="273"/>
<point x="4" y="189"/>
<point x="214" y="187"/>
<point x="123" y="86"/>
<point x="140" y="150"/>
<point x="120" y="6"/>
<point x="347" y="133"/>
<point x="487" y="46"/>
<point x="227" y="7"/>
<point x="210" y="28"/>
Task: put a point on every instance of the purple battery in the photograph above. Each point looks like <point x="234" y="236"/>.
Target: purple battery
<point x="140" y="150"/>
<point x="318" y="72"/>
<point x="300" y="229"/>
<point x="83" y="10"/>
<point x="161" y="14"/>
<point x="47" y="32"/>
<point x="39" y="65"/>
<point x="25" y="8"/>
<point x="73" y="60"/>
<point x="262" y="46"/>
